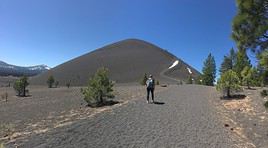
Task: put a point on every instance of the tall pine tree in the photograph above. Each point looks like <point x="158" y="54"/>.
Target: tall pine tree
<point x="228" y="61"/>
<point x="233" y="56"/>
<point x="247" y="76"/>
<point x="242" y="61"/>
<point x="263" y="57"/>
<point x="262" y="74"/>
<point x="263" y="66"/>
<point x="209" y="71"/>
<point x="250" y="30"/>
<point x="250" y="25"/>
<point x="226" y="64"/>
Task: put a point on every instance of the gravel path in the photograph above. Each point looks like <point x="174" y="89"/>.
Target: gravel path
<point x="183" y="118"/>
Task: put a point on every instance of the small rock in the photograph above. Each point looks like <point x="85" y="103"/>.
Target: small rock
<point x="232" y="129"/>
<point x="255" y="124"/>
<point x="226" y="125"/>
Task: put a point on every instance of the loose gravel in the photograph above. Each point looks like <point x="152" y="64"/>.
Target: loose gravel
<point x="183" y="117"/>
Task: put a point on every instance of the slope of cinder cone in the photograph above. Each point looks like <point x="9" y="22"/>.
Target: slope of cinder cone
<point x="182" y="71"/>
<point x="126" y="60"/>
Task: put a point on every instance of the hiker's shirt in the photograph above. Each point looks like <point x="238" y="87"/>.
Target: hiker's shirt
<point x="150" y="83"/>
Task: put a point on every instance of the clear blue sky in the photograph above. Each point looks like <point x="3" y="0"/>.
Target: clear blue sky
<point x="54" y="31"/>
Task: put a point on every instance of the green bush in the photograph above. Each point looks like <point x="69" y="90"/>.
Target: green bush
<point x="20" y="86"/>
<point x="264" y="93"/>
<point x="50" y="81"/>
<point x="99" y="88"/>
<point x="266" y="104"/>
<point x="229" y="81"/>
<point x="157" y="82"/>
<point x="144" y="79"/>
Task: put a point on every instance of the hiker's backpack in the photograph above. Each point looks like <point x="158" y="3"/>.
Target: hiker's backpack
<point x="150" y="83"/>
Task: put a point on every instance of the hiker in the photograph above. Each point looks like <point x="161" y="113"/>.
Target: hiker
<point x="150" y="87"/>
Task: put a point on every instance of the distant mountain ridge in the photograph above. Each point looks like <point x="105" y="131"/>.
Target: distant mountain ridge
<point x="13" y="70"/>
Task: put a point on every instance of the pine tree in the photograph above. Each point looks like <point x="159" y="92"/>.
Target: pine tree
<point x="226" y="64"/>
<point x="209" y="71"/>
<point x="247" y="76"/>
<point x="262" y="74"/>
<point x="228" y="82"/>
<point x="50" y="81"/>
<point x="256" y="77"/>
<point x="144" y="79"/>
<point x="250" y="25"/>
<point x="265" y="78"/>
<point x="99" y="87"/>
<point x="233" y="56"/>
<point x="242" y="61"/>
<point x="263" y="57"/>
<point x="20" y="86"/>
<point x="228" y="61"/>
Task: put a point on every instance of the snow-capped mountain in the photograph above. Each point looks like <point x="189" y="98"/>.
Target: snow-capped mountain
<point x="13" y="70"/>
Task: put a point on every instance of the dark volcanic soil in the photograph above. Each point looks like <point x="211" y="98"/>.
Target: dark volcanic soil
<point x="46" y="109"/>
<point x="247" y="117"/>
<point x="127" y="61"/>
<point x="183" y="117"/>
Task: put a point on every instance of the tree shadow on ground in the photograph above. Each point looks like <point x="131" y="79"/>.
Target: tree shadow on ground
<point x="105" y="103"/>
<point x="251" y="88"/>
<point x="234" y="97"/>
<point x="26" y="96"/>
<point x="159" y="103"/>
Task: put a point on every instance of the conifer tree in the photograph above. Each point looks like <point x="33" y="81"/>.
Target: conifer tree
<point x="263" y="57"/>
<point x="228" y="82"/>
<point x="242" y="61"/>
<point x="209" y="71"/>
<point x="50" y="81"/>
<point x="20" y="86"/>
<point x="228" y="61"/>
<point x="226" y="64"/>
<point x="144" y="79"/>
<point x="250" y="25"/>
<point x="247" y="76"/>
<point x="99" y="88"/>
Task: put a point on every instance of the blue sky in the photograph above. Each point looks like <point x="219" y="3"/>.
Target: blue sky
<point x="54" y="31"/>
